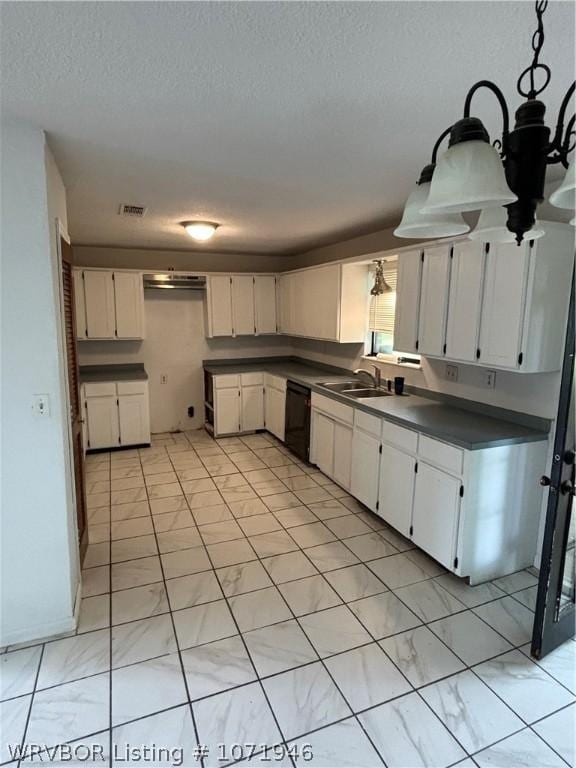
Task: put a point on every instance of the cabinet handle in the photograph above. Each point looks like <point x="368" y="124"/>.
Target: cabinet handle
<point x="477" y="354"/>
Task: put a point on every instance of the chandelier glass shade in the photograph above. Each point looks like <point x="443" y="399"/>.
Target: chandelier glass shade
<point x="417" y="224"/>
<point x="469" y="176"/>
<point x="491" y="227"/>
<point x="565" y="195"/>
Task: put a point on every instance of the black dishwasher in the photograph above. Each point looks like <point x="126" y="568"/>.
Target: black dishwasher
<point x="297" y="430"/>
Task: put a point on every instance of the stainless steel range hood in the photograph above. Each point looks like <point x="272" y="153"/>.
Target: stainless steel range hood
<point x="167" y="280"/>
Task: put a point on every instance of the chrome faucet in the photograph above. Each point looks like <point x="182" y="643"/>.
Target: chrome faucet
<point x="375" y="378"/>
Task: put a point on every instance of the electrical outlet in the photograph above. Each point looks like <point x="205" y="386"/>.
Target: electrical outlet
<point x="452" y="372"/>
<point x="163" y="379"/>
<point x="489" y="379"/>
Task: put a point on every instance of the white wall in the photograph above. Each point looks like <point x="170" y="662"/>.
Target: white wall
<point x="175" y="345"/>
<point x="39" y="560"/>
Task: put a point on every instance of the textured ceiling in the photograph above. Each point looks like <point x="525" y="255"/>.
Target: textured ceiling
<point x="292" y="124"/>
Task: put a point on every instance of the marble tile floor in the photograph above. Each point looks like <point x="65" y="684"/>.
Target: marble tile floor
<point x="237" y="599"/>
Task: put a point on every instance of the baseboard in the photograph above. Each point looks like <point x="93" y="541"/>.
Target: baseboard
<point x="43" y="631"/>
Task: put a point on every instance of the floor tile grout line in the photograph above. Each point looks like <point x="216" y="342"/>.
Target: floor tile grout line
<point x="178" y="650"/>
<point x="250" y="658"/>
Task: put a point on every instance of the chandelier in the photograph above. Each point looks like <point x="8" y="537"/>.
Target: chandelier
<point x="503" y="180"/>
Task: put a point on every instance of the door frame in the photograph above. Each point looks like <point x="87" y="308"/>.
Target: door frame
<point x="551" y="628"/>
<point x="60" y="231"/>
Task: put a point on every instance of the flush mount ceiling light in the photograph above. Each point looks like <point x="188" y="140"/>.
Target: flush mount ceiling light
<point x="475" y="175"/>
<point x="200" y="230"/>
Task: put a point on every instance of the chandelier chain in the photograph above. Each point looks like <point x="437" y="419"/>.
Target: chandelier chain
<point x="537" y="44"/>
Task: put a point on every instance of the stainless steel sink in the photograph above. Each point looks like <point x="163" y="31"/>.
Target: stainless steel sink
<point x="343" y="386"/>
<point x="366" y="392"/>
<point x="355" y="389"/>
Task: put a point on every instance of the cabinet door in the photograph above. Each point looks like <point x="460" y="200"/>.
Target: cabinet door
<point x="227" y="411"/>
<point x="129" y="305"/>
<point x="133" y="419"/>
<point x="219" y="299"/>
<point x="503" y="300"/>
<point x="365" y="468"/>
<point x="396" y="491"/>
<point x="102" y="422"/>
<point x="323" y="302"/>
<point x="265" y="303"/>
<point x="79" y="304"/>
<point x="434" y="301"/>
<point x="342" y="454"/>
<point x="465" y="301"/>
<point x="323" y="443"/>
<point x="99" y="297"/>
<point x="284" y="301"/>
<point x="275" y="412"/>
<point x="436" y="513"/>
<point x="244" y="323"/>
<point x="407" y="301"/>
<point x="252" y="408"/>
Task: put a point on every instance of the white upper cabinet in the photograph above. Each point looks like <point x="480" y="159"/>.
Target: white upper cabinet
<point x="328" y="302"/>
<point x="240" y="305"/>
<point x="219" y="305"/>
<point x="243" y="319"/>
<point x="99" y="301"/>
<point x="503" y="305"/>
<point x="497" y="304"/>
<point x="129" y="305"/>
<point x="434" y="300"/>
<point x="465" y="302"/>
<point x="109" y="305"/>
<point x="407" y="301"/>
<point x="265" y="304"/>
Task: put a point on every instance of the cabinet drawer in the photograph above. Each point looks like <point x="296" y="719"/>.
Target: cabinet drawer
<point x="368" y="423"/>
<point x="400" y="437"/>
<point x="99" y="388"/>
<point x="333" y="408"/>
<point x="132" y="387"/>
<point x="251" y="378"/>
<point x="276" y="382"/>
<point x="441" y="454"/>
<point x="226" y="381"/>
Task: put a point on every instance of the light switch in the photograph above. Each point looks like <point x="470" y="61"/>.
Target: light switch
<point x="41" y="405"/>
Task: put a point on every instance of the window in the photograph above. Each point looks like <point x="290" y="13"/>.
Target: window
<point x="382" y="310"/>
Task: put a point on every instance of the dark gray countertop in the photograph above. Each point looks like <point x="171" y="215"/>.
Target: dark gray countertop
<point x="466" y="424"/>
<point x="115" y="372"/>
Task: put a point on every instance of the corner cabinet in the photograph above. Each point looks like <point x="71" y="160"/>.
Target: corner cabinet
<point x="238" y="403"/>
<point x="116" y="414"/>
<point x="497" y="305"/>
<point x="240" y="305"/>
<point x="108" y="305"/>
<point x="328" y="303"/>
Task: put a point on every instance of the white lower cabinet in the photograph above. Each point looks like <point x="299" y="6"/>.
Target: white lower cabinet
<point x="103" y="428"/>
<point x="115" y="414"/>
<point x="342" y="466"/>
<point x="252" y="416"/>
<point x="275" y="406"/>
<point x="365" y="468"/>
<point x="322" y="449"/>
<point x="227" y="411"/>
<point x="436" y="513"/>
<point x="396" y="490"/>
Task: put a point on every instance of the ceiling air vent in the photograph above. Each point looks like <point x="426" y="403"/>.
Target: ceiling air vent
<point x="136" y="211"/>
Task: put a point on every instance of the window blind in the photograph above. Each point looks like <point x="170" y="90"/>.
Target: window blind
<point x="382" y="308"/>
